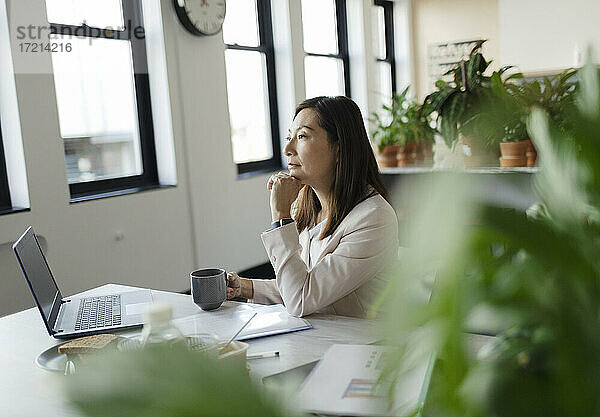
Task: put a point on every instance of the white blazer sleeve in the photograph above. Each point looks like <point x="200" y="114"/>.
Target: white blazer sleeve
<point x="266" y="292"/>
<point x="367" y="243"/>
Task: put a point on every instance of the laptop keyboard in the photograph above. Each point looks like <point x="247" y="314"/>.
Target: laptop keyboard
<point x="97" y="312"/>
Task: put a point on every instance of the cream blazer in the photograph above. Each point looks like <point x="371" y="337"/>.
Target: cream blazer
<point x="349" y="272"/>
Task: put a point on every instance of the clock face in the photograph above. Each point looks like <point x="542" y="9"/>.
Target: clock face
<point x="201" y="17"/>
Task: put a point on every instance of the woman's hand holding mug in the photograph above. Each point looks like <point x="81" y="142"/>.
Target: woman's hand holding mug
<point x="284" y="191"/>
<point x="239" y="287"/>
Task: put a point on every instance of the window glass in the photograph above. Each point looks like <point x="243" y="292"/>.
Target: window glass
<point x="379" y="32"/>
<point x="324" y="76"/>
<point x="241" y="23"/>
<point x="319" y="26"/>
<point x="96" y="13"/>
<point x="384" y="73"/>
<point x="248" y="105"/>
<point x="5" y="202"/>
<point x="95" y="94"/>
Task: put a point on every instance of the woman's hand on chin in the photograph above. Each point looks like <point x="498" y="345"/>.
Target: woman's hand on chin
<point x="284" y="191"/>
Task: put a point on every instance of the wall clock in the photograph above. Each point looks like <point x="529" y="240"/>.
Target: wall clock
<point x="201" y="17"/>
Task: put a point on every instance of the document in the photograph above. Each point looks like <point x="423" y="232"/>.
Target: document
<point x="228" y="319"/>
<point x="345" y="383"/>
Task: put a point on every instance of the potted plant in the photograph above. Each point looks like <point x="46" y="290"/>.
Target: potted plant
<point x="418" y="131"/>
<point x="554" y="94"/>
<point x="501" y="120"/>
<point x="503" y="113"/>
<point x="456" y="102"/>
<point x="386" y="140"/>
<point x="402" y="129"/>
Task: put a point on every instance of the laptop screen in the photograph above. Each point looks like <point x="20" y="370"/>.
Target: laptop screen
<point x="38" y="274"/>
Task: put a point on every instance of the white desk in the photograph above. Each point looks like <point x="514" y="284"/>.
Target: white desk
<point x="27" y="390"/>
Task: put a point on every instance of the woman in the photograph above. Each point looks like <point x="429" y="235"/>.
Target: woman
<point x="334" y="232"/>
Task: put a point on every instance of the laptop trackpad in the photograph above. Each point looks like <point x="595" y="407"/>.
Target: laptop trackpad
<point x="137" y="308"/>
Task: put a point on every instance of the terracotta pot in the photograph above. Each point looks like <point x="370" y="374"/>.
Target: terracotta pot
<point x="407" y="154"/>
<point x="480" y="156"/>
<point x="514" y="153"/>
<point x="402" y="158"/>
<point x="531" y="153"/>
<point x="427" y="150"/>
<point x="386" y="158"/>
<point x="420" y="155"/>
<point x="411" y="149"/>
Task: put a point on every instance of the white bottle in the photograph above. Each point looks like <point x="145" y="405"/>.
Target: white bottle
<point x="158" y="327"/>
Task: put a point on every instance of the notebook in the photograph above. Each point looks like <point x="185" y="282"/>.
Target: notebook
<point x="270" y="320"/>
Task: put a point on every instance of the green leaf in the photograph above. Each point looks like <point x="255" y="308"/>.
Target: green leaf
<point x="477" y="46"/>
<point x="474" y="67"/>
<point x="438" y="99"/>
<point x="451" y="114"/>
<point x="441" y="84"/>
<point x="505" y="68"/>
<point x="497" y="85"/>
<point x="515" y="76"/>
<point x="167" y="382"/>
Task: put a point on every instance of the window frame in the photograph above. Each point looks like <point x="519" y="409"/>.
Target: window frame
<point x="5" y="201"/>
<point x="267" y="47"/>
<point x="342" y="38"/>
<point x="388" y="17"/>
<point x="132" y="15"/>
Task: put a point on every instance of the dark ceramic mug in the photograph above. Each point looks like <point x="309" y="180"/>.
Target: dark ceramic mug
<point x="209" y="287"/>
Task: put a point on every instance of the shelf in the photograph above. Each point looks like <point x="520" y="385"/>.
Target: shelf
<point x="483" y="170"/>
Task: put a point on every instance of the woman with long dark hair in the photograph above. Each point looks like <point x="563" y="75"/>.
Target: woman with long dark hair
<point x="334" y="232"/>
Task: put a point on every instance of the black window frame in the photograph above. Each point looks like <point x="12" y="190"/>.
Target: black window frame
<point x="265" y="46"/>
<point x="390" y="57"/>
<point x="342" y="38"/>
<point x="5" y="201"/>
<point x="133" y="31"/>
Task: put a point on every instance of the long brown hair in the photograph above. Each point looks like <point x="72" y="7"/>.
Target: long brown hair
<point x="355" y="169"/>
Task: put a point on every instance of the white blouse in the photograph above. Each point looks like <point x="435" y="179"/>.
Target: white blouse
<point x="341" y="274"/>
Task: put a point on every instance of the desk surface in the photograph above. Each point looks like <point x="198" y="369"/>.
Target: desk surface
<point x="27" y="390"/>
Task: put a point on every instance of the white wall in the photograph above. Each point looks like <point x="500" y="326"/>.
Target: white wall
<point x="452" y="20"/>
<point x="548" y="35"/>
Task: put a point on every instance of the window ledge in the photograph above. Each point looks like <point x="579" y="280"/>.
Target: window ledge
<point x="251" y="174"/>
<point x="482" y="170"/>
<point x="12" y="210"/>
<point x="116" y="193"/>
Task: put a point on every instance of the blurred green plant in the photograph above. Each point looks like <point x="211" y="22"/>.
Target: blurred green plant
<point x="400" y="123"/>
<point x="539" y="273"/>
<point x="164" y="381"/>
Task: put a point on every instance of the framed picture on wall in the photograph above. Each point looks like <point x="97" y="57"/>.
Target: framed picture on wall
<point x="445" y="55"/>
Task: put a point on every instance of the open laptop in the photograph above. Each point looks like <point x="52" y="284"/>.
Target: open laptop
<point x="75" y="316"/>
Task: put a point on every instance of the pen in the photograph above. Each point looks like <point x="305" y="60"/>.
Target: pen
<point x="263" y="355"/>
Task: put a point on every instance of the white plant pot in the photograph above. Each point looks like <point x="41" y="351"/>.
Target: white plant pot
<point x="446" y="158"/>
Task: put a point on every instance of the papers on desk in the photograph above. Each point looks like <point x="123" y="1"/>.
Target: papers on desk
<point x="224" y="322"/>
<point x="344" y="383"/>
